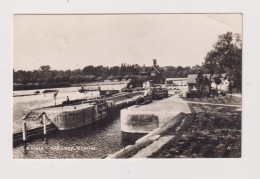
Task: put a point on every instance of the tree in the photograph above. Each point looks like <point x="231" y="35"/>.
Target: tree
<point x="99" y="78"/>
<point x="24" y="81"/>
<point x="56" y="79"/>
<point x="65" y="79"/>
<point x="203" y="84"/>
<point x="115" y="70"/>
<point x="217" y="81"/>
<point x="98" y="70"/>
<point x="88" y="70"/>
<point x="45" y="68"/>
<point x="67" y="73"/>
<point x="195" y="69"/>
<point x="49" y="79"/>
<point x="226" y="56"/>
<point x="200" y="82"/>
<point x="110" y="77"/>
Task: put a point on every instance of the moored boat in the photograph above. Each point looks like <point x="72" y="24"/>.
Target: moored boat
<point x="159" y="93"/>
<point x="78" y="113"/>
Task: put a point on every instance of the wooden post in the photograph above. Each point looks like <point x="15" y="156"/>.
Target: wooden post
<point x="24" y="131"/>
<point x="44" y="124"/>
<point x="45" y="140"/>
<point x="25" y="147"/>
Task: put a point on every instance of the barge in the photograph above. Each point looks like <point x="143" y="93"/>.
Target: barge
<point x="81" y="113"/>
<point x="72" y="117"/>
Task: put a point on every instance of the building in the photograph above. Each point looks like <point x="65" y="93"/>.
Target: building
<point x="224" y="85"/>
<point x="191" y="81"/>
<point x="147" y="84"/>
<point x="153" y="74"/>
<point x="156" y="75"/>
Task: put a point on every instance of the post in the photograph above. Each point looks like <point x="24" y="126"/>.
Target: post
<point x="25" y="148"/>
<point x="24" y="131"/>
<point x="44" y="124"/>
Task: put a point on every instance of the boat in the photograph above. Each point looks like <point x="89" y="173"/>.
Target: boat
<point x="50" y="91"/>
<point x="76" y="116"/>
<point x="146" y="99"/>
<point x="85" y="89"/>
<point x="159" y="93"/>
<point x="81" y="112"/>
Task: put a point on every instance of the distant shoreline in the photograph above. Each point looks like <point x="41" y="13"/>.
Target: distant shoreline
<point x="21" y="87"/>
<point x="41" y="86"/>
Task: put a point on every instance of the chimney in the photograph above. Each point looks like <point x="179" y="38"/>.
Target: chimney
<point x="154" y="62"/>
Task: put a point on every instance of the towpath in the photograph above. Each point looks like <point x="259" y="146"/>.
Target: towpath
<point x="215" y="104"/>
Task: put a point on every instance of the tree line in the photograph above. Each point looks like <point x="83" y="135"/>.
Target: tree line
<point x="45" y="75"/>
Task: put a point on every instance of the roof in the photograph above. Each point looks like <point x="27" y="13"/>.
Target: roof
<point x="192" y="78"/>
<point x="156" y="69"/>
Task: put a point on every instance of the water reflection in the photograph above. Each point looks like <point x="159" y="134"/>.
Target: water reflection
<point x="130" y="138"/>
<point x="94" y="141"/>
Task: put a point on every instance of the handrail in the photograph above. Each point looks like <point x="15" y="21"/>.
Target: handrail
<point x="42" y="113"/>
<point x="27" y="115"/>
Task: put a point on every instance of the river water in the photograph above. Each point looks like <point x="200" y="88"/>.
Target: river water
<point x="94" y="141"/>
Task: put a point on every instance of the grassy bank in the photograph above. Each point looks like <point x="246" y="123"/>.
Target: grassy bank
<point x="218" y="100"/>
<point x="205" y="136"/>
<point x="210" y="132"/>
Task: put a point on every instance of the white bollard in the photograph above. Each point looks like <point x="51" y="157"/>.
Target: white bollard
<point x="44" y="124"/>
<point x="24" y="131"/>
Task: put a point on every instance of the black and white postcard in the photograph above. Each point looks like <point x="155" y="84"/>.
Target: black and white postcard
<point x="127" y="86"/>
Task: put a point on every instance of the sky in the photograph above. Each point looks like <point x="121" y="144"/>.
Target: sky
<point x="75" y="41"/>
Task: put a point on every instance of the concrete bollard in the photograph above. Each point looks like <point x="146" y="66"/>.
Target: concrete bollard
<point x="44" y="124"/>
<point x="24" y="131"/>
<point x="184" y="94"/>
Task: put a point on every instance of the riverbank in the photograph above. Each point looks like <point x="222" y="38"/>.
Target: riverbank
<point x="20" y="87"/>
<point x="207" y="132"/>
<point x="35" y="86"/>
